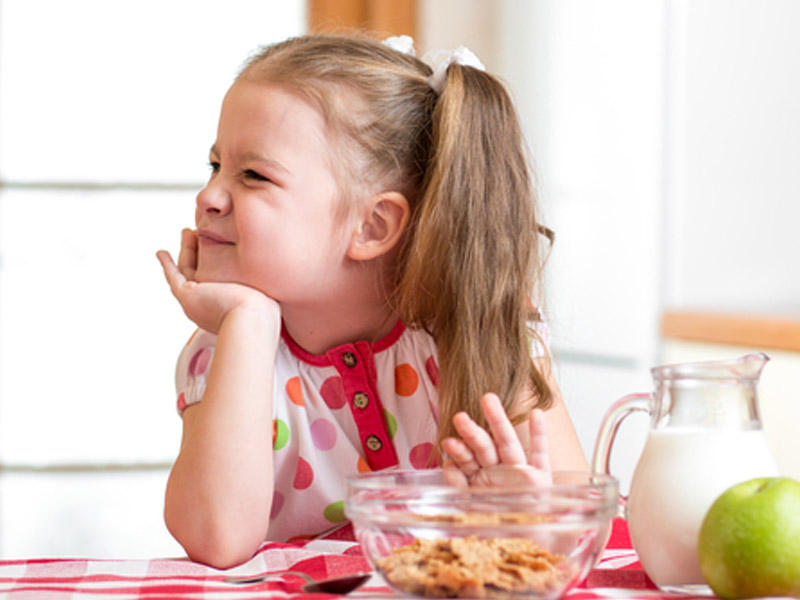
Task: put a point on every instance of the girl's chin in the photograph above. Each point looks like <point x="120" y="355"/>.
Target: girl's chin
<point x="206" y="275"/>
<point x="210" y="275"/>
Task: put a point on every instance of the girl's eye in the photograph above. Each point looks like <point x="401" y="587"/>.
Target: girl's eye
<point x="250" y="174"/>
<point x="213" y="165"/>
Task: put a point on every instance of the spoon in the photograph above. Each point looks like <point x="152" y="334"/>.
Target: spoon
<point x="335" y="585"/>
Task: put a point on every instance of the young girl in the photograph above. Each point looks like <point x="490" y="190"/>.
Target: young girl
<point x="361" y="272"/>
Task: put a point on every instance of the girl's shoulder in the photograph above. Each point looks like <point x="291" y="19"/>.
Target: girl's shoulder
<point x="414" y="341"/>
<point x="412" y="356"/>
<point x="417" y="341"/>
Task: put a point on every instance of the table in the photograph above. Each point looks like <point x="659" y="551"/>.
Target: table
<point x="617" y="575"/>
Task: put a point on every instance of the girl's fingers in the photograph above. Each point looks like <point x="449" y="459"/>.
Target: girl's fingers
<point x="476" y="439"/>
<point x="460" y="456"/>
<point x="165" y="258"/>
<point x="453" y="475"/>
<point x="539" y="453"/>
<point x="478" y="450"/>
<point x="187" y="259"/>
<point x="174" y="277"/>
<point x="509" y="448"/>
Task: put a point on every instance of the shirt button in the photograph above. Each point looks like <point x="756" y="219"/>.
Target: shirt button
<point x="360" y="399"/>
<point x="374" y="443"/>
<point x="349" y="359"/>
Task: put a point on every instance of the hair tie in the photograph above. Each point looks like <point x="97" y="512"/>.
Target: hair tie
<point x="439" y="60"/>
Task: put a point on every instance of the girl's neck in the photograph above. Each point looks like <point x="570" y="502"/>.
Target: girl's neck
<point x="316" y="332"/>
<point x="355" y="308"/>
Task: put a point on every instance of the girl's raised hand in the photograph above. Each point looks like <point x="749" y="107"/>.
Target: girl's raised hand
<point x="208" y="303"/>
<point x="483" y="458"/>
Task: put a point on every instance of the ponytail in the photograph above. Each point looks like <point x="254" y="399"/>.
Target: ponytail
<point x="471" y="260"/>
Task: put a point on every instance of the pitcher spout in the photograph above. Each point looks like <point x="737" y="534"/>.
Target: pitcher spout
<point x="747" y="367"/>
<point x="753" y="364"/>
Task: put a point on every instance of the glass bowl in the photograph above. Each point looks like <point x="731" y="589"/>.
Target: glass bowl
<point x="434" y="540"/>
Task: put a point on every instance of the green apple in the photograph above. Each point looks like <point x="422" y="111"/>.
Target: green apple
<point x="749" y="542"/>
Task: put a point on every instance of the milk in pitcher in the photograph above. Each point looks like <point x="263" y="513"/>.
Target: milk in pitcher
<point x="679" y="475"/>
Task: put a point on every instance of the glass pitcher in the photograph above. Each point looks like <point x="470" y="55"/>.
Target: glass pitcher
<point x="705" y="435"/>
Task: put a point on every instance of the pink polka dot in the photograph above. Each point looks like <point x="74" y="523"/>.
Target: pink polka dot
<point x="199" y="362"/>
<point x="333" y="393"/>
<point x="421" y="454"/>
<point x="277" y="504"/>
<point x="304" y="474"/>
<point x="181" y="402"/>
<point x="323" y="434"/>
<point x="433" y="370"/>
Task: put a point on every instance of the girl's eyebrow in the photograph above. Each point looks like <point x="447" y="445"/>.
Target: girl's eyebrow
<point x="272" y="163"/>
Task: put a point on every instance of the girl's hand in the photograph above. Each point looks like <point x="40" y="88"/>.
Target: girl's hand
<point x="208" y="303"/>
<point x="474" y="459"/>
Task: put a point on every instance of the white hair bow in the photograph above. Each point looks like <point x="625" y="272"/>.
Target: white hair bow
<point x="438" y="60"/>
<point x="401" y="43"/>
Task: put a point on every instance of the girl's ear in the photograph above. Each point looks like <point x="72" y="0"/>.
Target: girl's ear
<point x="384" y="221"/>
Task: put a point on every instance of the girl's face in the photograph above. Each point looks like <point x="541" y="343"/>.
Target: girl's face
<point x="266" y="216"/>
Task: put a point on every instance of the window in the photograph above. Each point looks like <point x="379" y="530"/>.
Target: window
<point x="107" y="111"/>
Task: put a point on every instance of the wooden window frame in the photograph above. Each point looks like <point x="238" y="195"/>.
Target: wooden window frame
<point x="380" y="18"/>
<point x="738" y="329"/>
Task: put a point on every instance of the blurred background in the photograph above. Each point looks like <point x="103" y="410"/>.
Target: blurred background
<point x="666" y="140"/>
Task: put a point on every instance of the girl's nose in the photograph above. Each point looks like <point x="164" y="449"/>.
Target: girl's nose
<point x="214" y="199"/>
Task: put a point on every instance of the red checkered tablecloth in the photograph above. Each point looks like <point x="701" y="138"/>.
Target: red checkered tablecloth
<point x="617" y="575"/>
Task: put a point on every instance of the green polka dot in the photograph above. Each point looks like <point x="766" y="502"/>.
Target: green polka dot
<point x="335" y="512"/>
<point x="391" y="423"/>
<point x="281" y="434"/>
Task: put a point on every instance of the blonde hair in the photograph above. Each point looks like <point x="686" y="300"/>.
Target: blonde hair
<point x="470" y="258"/>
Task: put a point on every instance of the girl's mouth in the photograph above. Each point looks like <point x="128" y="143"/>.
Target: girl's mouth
<point x="211" y="238"/>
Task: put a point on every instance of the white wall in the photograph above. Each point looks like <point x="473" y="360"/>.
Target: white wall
<point x="734" y="156"/>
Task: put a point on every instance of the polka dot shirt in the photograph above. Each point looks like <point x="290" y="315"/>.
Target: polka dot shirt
<point x="358" y="407"/>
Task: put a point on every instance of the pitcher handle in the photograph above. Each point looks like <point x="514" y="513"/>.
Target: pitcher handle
<point x="608" y="430"/>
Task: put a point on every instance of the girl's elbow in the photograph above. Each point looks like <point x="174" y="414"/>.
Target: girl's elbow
<point x="219" y="555"/>
<point x="220" y="551"/>
<point x="217" y="547"/>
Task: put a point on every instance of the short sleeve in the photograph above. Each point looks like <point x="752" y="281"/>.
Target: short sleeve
<point x="540" y="340"/>
<point x="191" y="371"/>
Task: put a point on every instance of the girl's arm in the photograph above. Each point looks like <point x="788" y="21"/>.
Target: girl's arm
<point x="220" y="488"/>
<point x="566" y="453"/>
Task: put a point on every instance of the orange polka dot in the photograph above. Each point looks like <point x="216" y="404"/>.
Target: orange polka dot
<point x="362" y="466"/>
<point x="294" y="391"/>
<point x="406" y="380"/>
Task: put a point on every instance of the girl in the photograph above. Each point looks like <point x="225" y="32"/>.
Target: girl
<point x="360" y="275"/>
